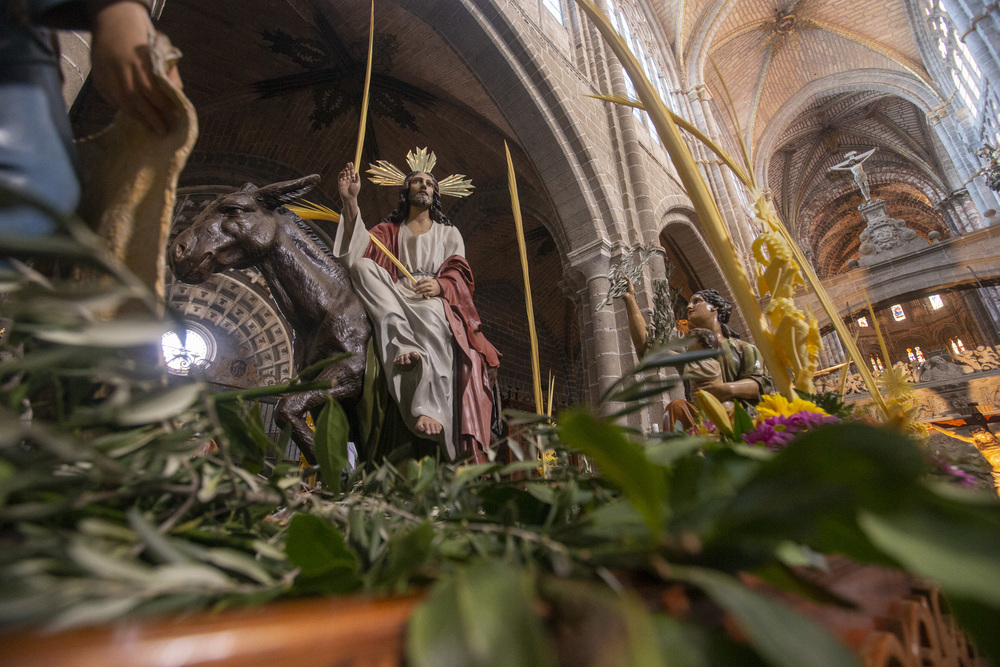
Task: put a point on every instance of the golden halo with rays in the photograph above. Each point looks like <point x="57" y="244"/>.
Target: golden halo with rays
<point x="384" y="172"/>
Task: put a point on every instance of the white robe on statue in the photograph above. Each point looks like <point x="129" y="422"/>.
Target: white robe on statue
<point x="407" y="322"/>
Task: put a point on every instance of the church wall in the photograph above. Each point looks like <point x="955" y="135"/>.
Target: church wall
<point x="605" y="176"/>
<point x="506" y="321"/>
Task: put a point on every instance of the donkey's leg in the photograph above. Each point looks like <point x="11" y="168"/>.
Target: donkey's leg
<point x="292" y="409"/>
<point x="347" y="377"/>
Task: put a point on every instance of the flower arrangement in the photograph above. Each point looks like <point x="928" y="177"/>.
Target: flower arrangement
<point x="779" y="421"/>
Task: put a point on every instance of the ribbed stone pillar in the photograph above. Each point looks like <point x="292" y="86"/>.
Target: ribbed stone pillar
<point x="978" y="25"/>
<point x="722" y="185"/>
<point x="952" y="135"/>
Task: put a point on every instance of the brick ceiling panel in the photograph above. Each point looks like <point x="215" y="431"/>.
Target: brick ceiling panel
<point x="814" y="57"/>
<point x="769" y="50"/>
<point x="741" y="82"/>
<point x="747" y="13"/>
<point x="881" y="23"/>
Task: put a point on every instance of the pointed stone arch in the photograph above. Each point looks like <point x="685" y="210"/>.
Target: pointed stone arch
<point x="683" y="244"/>
<point x="882" y="80"/>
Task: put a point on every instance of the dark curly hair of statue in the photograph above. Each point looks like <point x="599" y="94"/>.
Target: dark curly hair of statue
<point x="723" y="309"/>
<point x="398" y="215"/>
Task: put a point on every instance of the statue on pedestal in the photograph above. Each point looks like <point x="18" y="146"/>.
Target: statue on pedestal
<point x="853" y="165"/>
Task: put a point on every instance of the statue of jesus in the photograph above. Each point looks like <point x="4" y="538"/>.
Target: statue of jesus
<point x="853" y="165"/>
<point x="436" y="359"/>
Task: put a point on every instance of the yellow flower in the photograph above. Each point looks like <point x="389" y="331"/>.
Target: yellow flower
<point x="548" y="459"/>
<point x="713" y="409"/>
<point x="773" y="405"/>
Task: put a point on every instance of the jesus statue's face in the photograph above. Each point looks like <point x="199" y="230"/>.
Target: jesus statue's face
<point x="422" y="190"/>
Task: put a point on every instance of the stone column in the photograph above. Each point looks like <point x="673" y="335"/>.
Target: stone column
<point x="632" y="154"/>
<point x="722" y="184"/>
<point x="953" y="136"/>
<point x="978" y="26"/>
<point x="958" y="207"/>
<point x="604" y="337"/>
<point x="586" y="283"/>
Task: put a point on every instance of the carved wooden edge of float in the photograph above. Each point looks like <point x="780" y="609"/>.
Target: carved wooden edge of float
<point x="914" y="631"/>
<point x="917" y="632"/>
<point x="348" y="632"/>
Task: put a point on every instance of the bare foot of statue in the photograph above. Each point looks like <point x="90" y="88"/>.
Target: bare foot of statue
<point x="428" y="425"/>
<point x="406" y="361"/>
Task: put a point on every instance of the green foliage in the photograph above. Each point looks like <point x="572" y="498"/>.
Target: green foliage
<point x="742" y="423"/>
<point x="830" y="401"/>
<point x="326" y="564"/>
<point x="622" y="462"/>
<point x="331" y="443"/>
<point x="456" y="627"/>
<point x="125" y="492"/>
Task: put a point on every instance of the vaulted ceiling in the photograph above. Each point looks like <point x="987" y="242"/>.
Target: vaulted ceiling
<point x="770" y="51"/>
<point x="802" y="82"/>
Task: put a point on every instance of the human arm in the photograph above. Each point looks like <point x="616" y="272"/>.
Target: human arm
<point x="636" y="322"/>
<point x="452" y="245"/>
<point x="746" y="389"/>
<point x="121" y="63"/>
<point x="743" y="373"/>
<point x="352" y="241"/>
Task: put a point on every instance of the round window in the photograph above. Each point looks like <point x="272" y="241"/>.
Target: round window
<point x="197" y="349"/>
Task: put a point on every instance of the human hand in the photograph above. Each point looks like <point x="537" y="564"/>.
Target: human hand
<point x="629" y="289"/>
<point x="427" y="287"/>
<point x="349" y="183"/>
<point x="123" y="68"/>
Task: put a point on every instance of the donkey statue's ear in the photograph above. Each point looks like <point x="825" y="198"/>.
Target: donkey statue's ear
<point x="276" y="194"/>
<point x="249" y="188"/>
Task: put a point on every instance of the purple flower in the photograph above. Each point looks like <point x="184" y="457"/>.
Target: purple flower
<point x="962" y="478"/>
<point x="777" y="431"/>
<point x="806" y="421"/>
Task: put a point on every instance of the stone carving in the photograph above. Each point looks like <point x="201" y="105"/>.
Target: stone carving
<point x="960" y="366"/>
<point x="991" y="170"/>
<point x="982" y="358"/>
<point x="967" y="384"/>
<point x="884" y="237"/>
<point x="939" y="368"/>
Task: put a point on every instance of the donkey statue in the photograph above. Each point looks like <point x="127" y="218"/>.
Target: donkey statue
<point x="251" y="227"/>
